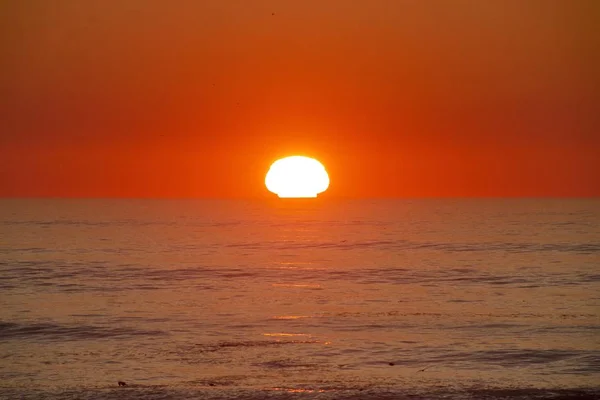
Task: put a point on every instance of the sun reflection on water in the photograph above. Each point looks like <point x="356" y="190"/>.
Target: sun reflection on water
<point x="298" y="285"/>
<point x="297" y="390"/>
<point x="286" y="317"/>
<point x="285" y="334"/>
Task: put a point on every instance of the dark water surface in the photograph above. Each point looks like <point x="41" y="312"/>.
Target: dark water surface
<point x="382" y="299"/>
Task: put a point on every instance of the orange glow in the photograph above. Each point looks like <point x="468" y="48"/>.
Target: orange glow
<point x="485" y="109"/>
<point x="296" y="177"/>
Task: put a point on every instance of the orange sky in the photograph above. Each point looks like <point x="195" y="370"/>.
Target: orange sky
<point x="397" y="98"/>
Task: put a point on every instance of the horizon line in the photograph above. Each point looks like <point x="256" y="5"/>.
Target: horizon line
<point x="274" y="198"/>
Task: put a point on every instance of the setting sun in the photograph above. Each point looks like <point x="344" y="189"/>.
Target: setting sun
<point x="297" y="176"/>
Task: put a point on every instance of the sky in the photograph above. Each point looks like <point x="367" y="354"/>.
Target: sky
<point x="397" y="98"/>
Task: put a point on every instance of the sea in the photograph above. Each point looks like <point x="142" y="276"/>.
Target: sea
<point x="300" y="299"/>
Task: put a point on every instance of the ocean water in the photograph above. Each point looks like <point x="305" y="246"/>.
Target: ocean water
<point x="373" y="299"/>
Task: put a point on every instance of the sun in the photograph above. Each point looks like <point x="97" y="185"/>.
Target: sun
<point x="297" y="176"/>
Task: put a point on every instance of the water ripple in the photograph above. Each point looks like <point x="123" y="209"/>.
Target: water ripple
<point x="54" y="332"/>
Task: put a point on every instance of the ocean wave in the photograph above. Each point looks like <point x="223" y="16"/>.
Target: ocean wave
<point x="508" y="357"/>
<point x="403" y="244"/>
<point x="80" y="277"/>
<point x="226" y="389"/>
<point x="64" y="332"/>
<point x="244" y="344"/>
